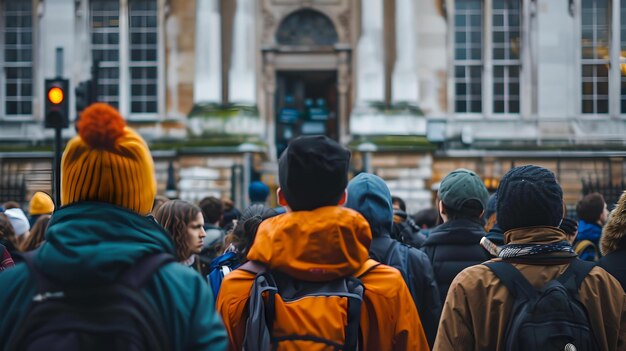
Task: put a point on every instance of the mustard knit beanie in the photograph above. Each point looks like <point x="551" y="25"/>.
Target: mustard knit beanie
<point x="107" y="162"/>
<point x="40" y="203"/>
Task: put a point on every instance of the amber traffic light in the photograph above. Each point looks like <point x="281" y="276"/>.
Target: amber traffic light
<point x="56" y="107"/>
<point x="56" y="95"/>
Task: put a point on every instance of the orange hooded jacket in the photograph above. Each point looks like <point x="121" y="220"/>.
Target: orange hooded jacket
<point x="320" y="245"/>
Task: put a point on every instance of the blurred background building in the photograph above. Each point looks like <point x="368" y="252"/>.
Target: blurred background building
<point x="416" y="88"/>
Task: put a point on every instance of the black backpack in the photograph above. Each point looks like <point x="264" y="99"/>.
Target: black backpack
<point x="551" y="318"/>
<point x="107" y="317"/>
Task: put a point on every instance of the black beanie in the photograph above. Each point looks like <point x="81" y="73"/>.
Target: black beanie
<point x="313" y="172"/>
<point x="529" y="196"/>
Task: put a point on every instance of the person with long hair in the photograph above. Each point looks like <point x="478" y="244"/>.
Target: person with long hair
<point x="185" y="223"/>
<point x="7" y="235"/>
<point x="36" y="237"/>
<point x="7" y="243"/>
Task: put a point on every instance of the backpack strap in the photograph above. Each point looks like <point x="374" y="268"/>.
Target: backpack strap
<point x="512" y="278"/>
<point x="368" y="266"/>
<point x="253" y="267"/>
<point x="268" y="284"/>
<point x="143" y="269"/>
<point x="258" y="335"/>
<point x="583" y="245"/>
<point x="393" y="244"/>
<point x="43" y="283"/>
<point x="355" y="287"/>
<point x="574" y="275"/>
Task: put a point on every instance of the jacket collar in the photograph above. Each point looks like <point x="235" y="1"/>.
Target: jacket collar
<point x="534" y="235"/>
<point x="458" y="231"/>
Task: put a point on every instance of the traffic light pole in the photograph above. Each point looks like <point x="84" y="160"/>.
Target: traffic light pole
<point x="57" y="166"/>
<point x="58" y="127"/>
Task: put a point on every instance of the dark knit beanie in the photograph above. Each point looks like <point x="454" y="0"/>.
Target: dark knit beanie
<point x="529" y="196"/>
<point x="313" y="172"/>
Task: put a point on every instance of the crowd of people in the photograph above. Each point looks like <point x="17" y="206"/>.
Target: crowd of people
<point x="340" y="264"/>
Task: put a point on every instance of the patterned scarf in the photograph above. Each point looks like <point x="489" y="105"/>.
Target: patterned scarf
<point x="521" y="250"/>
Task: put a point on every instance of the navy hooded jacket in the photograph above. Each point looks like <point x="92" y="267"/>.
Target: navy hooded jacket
<point x="368" y="194"/>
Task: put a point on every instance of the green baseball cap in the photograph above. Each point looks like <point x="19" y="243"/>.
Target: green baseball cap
<point x="462" y="185"/>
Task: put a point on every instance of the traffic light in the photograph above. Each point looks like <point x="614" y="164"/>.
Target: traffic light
<point x="83" y="92"/>
<point x="57" y="103"/>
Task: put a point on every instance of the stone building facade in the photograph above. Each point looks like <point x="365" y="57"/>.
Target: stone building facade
<point x="416" y="88"/>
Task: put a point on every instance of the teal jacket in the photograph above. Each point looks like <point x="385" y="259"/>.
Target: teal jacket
<point x="91" y="242"/>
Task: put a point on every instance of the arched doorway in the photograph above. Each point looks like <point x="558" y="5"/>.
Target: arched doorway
<point x="306" y="78"/>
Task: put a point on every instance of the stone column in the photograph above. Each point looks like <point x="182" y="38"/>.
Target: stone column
<point x="270" y="93"/>
<point x="370" y="63"/>
<point x="124" y="62"/>
<point x="241" y="77"/>
<point x="343" y="86"/>
<point x="404" y="83"/>
<point x="207" y="85"/>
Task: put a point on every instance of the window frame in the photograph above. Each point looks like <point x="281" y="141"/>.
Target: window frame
<point x="507" y="64"/>
<point x="4" y="65"/>
<point x="614" y="74"/>
<point x="143" y="64"/>
<point x="616" y="50"/>
<point x="582" y="62"/>
<point x="125" y="63"/>
<point x="107" y="47"/>
<point x="487" y="65"/>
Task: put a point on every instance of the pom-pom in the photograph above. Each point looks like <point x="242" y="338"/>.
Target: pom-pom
<point x="100" y="125"/>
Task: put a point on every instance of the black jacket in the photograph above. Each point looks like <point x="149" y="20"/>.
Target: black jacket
<point x="615" y="264"/>
<point x="418" y="275"/>
<point x="452" y="247"/>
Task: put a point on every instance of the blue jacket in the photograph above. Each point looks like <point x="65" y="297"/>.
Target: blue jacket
<point x="216" y="274"/>
<point x="89" y="243"/>
<point x="368" y="194"/>
<point x="591" y="232"/>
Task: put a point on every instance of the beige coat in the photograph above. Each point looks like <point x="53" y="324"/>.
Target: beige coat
<point x="478" y="306"/>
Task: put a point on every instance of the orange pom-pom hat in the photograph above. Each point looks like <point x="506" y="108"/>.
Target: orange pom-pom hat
<point x="107" y="162"/>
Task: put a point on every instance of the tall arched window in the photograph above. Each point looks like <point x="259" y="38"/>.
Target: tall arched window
<point x="306" y="27"/>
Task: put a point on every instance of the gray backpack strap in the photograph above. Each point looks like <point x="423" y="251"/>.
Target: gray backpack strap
<point x="257" y="335"/>
<point x="355" y="288"/>
<point x="253" y="267"/>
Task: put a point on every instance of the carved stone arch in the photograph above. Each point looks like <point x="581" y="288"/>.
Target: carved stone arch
<point x="273" y="22"/>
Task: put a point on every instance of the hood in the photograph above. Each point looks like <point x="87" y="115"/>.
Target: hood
<point x="368" y="194"/>
<point x="614" y="232"/>
<point x="92" y="242"/>
<point x="320" y="245"/>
